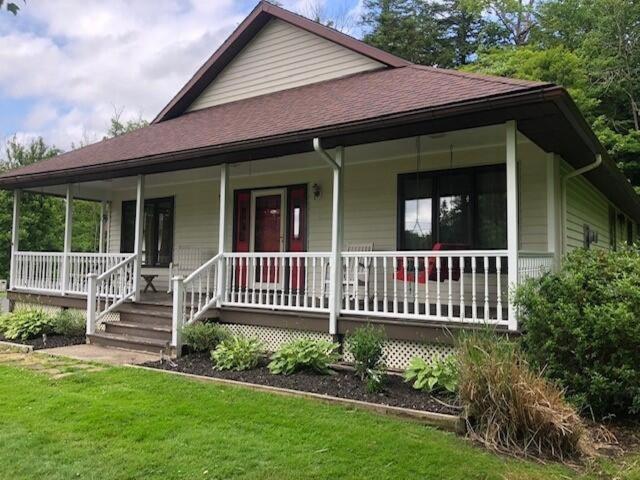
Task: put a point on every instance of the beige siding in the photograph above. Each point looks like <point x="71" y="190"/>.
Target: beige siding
<point x="280" y="57"/>
<point x="585" y="205"/>
<point x="533" y="198"/>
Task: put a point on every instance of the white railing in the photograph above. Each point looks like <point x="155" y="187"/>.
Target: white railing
<point x="455" y="286"/>
<point x="37" y="271"/>
<point x="82" y="264"/>
<point x="277" y="281"/>
<point x="199" y="290"/>
<point x="43" y="272"/>
<point x="109" y="290"/>
<point x="534" y="264"/>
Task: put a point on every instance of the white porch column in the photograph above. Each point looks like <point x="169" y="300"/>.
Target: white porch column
<point x="335" y="286"/>
<point x="103" y="210"/>
<point x="224" y="186"/>
<point x="68" y="229"/>
<point x="512" y="214"/>
<point x="137" y="249"/>
<point x="15" y="235"/>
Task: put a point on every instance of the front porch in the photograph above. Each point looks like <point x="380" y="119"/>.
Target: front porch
<point x="431" y="230"/>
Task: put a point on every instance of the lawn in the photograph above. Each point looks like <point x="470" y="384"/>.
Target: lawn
<point x="133" y="424"/>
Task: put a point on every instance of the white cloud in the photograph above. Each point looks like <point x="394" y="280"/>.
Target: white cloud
<point x="77" y="60"/>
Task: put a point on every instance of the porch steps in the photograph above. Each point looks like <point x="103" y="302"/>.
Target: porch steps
<point x="143" y="326"/>
<point x="129" y="342"/>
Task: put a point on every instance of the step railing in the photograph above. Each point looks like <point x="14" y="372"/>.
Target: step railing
<point x="277" y="281"/>
<point x="109" y="290"/>
<point x="454" y="286"/>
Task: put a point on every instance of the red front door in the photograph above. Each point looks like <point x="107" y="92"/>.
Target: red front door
<point x="268" y="230"/>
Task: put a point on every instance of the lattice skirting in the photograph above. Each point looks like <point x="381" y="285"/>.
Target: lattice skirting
<point x="397" y="352"/>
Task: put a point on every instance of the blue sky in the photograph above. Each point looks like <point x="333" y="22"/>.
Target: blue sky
<point x="67" y="66"/>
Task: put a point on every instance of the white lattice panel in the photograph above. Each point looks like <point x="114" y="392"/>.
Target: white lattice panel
<point x="273" y="338"/>
<point x="399" y="352"/>
<point x="36" y="306"/>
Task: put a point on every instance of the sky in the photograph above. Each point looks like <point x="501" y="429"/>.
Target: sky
<point x="67" y="66"/>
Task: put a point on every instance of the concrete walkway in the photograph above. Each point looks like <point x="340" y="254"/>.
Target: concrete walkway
<point x="95" y="353"/>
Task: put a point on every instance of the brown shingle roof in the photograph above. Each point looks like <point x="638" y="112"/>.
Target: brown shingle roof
<point x="346" y="100"/>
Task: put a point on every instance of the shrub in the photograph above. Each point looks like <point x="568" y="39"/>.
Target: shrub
<point x="203" y="337"/>
<point x="237" y="353"/>
<point x="25" y="324"/>
<point x="71" y="323"/>
<point x="366" y="345"/>
<point x="511" y="408"/>
<point x="440" y="374"/>
<point x="304" y="354"/>
<point x="582" y="326"/>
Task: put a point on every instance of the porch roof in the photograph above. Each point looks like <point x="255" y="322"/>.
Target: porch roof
<point x="362" y="108"/>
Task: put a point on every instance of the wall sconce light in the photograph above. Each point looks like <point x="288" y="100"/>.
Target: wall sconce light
<point x="317" y="191"/>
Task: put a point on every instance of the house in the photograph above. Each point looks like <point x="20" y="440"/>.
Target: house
<point x="305" y="183"/>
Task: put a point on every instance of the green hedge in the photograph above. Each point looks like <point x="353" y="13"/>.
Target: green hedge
<point x="582" y="325"/>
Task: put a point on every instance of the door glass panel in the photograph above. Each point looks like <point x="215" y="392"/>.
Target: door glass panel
<point x="268" y="223"/>
<point x="418" y="207"/>
<point x="454" y="210"/>
<point x="165" y="232"/>
<point x="148" y="254"/>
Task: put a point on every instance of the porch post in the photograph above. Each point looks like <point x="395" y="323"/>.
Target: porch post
<point x="68" y="229"/>
<point x="335" y="286"/>
<point x="138" y="237"/>
<point x="15" y="235"/>
<point x="224" y="183"/>
<point x="103" y="209"/>
<point x="512" y="214"/>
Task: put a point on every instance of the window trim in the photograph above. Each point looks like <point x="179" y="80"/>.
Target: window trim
<point x="434" y="174"/>
<point x="150" y="201"/>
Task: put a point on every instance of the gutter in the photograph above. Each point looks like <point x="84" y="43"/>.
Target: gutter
<point x="565" y="180"/>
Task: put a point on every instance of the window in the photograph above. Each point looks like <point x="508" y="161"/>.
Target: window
<point x="157" y="238"/>
<point x="465" y="207"/>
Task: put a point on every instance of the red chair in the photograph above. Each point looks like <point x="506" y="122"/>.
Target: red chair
<point x="432" y="271"/>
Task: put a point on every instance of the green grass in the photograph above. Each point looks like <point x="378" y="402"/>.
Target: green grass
<point x="123" y="423"/>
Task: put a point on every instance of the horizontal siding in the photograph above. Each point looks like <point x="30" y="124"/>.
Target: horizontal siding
<point x="370" y="199"/>
<point x="585" y="206"/>
<point x="280" y="57"/>
<point x="533" y="198"/>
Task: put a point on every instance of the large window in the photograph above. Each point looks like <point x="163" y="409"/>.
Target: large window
<point x="465" y="208"/>
<point x="157" y="240"/>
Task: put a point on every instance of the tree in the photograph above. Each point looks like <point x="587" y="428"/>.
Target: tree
<point x="12" y="7"/>
<point x="118" y="127"/>
<point x="513" y="20"/>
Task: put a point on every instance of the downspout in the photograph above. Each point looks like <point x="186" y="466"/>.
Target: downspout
<point x="335" y="284"/>
<point x="565" y="179"/>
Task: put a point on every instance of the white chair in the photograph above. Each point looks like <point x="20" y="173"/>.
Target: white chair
<point x="357" y="279"/>
<point x="186" y="260"/>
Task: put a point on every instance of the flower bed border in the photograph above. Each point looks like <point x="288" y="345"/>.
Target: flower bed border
<point x="451" y="423"/>
<point x="20" y="347"/>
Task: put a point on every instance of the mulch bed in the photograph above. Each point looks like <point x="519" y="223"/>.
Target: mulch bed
<point x="340" y="383"/>
<point x="53" y="341"/>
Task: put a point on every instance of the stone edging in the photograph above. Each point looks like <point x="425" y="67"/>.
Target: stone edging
<point x="17" y="347"/>
<point x="451" y="423"/>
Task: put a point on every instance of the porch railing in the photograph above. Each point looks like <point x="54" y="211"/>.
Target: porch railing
<point x="455" y="286"/>
<point x="534" y="264"/>
<point x="283" y="281"/>
<point x="43" y="271"/>
<point x="109" y="290"/>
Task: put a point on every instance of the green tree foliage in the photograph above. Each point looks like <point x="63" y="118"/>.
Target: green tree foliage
<point x="591" y="47"/>
<point x="12" y="7"/>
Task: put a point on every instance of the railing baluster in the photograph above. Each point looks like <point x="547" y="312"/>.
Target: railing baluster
<point x="395" y="285"/>
<point x="405" y="300"/>
<point x="486" y="288"/>
<point x="438" y="298"/>
<point x="450" y="295"/>
<point x="499" y="288"/>
<point x="416" y="281"/>
<point x="462" y="307"/>
<point x="474" y="305"/>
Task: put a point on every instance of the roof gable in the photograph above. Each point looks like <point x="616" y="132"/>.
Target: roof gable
<point x="279" y="57"/>
<point x="244" y="34"/>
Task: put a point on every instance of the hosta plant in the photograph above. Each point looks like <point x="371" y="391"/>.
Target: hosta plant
<point x="440" y="374"/>
<point x="304" y="354"/>
<point x="237" y="353"/>
<point x="25" y="324"/>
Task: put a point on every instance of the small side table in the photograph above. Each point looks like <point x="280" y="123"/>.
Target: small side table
<point x="149" y="278"/>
